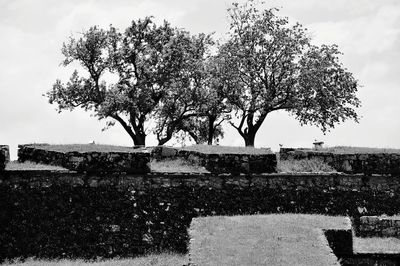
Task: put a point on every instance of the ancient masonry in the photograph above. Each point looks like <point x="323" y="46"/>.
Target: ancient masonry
<point x="109" y="204"/>
<point x="223" y="163"/>
<point x="362" y="163"/>
<point x="379" y="226"/>
<point x="133" y="162"/>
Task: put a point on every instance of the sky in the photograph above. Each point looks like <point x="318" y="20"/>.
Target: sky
<point x="33" y="31"/>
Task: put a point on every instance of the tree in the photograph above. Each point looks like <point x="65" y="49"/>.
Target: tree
<point x="270" y="65"/>
<point x="213" y="110"/>
<point x="185" y="99"/>
<point x="147" y="60"/>
<point x="202" y="130"/>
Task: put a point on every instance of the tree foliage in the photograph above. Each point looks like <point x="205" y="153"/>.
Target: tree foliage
<point x="270" y="65"/>
<point x="213" y="108"/>
<point x="167" y="75"/>
<point x="186" y="100"/>
<point x="150" y="63"/>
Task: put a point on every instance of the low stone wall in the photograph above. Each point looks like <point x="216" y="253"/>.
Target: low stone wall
<point x="232" y="163"/>
<point x="366" y="163"/>
<point x="379" y="226"/>
<point x="222" y="163"/>
<point x="130" y="162"/>
<point x="4" y="156"/>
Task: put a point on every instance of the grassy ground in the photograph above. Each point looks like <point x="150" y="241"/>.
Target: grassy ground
<point x="87" y="148"/>
<point x="176" y="165"/>
<point x="167" y="166"/>
<point x="26" y="166"/>
<point x="214" y="149"/>
<point x="314" y="165"/>
<point x="352" y="150"/>
<point x="288" y="239"/>
<point x="164" y="259"/>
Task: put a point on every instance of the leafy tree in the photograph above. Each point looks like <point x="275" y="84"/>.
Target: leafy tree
<point x="184" y="101"/>
<point x="213" y="109"/>
<point x="270" y="65"/>
<point x="201" y="131"/>
<point x="148" y="61"/>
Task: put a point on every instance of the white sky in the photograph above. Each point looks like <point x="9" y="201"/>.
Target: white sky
<point x="32" y="33"/>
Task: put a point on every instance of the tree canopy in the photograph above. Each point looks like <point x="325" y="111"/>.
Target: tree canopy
<point x="271" y="65"/>
<point x="213" y="108"/>
<point x="153" y="65"/>
<point x="189" y="83"/>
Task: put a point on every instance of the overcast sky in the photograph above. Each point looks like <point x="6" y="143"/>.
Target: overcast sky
<point x="32" y="33"/>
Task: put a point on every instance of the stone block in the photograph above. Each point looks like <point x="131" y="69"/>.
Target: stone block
<point x="168" y="151"/>
<point x="379" y="226"/>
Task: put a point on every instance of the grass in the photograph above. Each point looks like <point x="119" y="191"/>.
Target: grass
<point x="284" y="239"/>
<point x="355" y="150"/>
<point x="27" y="166"/>
<point x="163" y="259"/>
<point x="314" y="165"/>
<point x="216" y="149"/>
<point x="175" y="166"/>
<point x="86" y="148"/>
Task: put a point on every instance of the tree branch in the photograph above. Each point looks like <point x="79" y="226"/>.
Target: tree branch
<point x="127" y="128"/>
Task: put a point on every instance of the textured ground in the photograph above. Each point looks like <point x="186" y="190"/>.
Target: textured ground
<point x="285" y="239"/>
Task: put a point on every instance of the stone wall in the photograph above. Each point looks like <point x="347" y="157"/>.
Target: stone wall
<point x="286" y="181"/>
<point x="67" y="214"/>
<point x="366" y="163"/>
<point x="222" y="163"/>
<point x="4" y="156"/>
<point x="379" y="226"/>
<point x="130" y="162"/>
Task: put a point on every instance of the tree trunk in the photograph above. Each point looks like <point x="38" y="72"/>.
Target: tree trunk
<point x="139" y="140"/>
<point x="193" y="136"/>
<point x="249" y="138"/>
<point x="249" y="133"/>
<point x="211" y="130"/>
<point x="136" y="133"/>
<point x="163" y="141"/>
